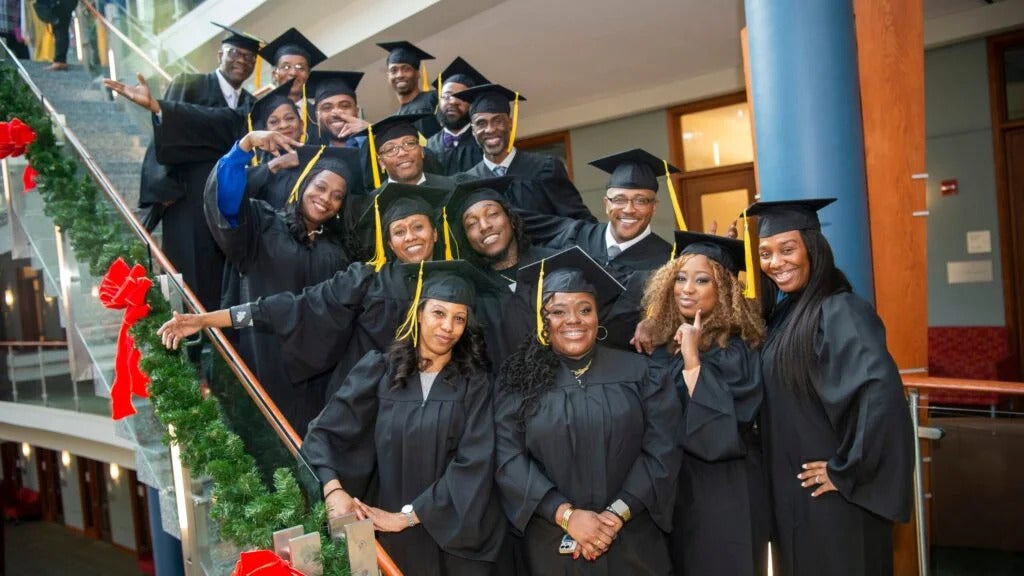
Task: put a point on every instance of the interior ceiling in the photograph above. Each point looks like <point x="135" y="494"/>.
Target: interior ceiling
<point x="559" y="54"/>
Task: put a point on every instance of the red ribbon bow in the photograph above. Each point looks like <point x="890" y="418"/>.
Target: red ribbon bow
<point x="124" y="288"/>
<point x="28" y="179"/>
<point x="263" y="563"/>
<point x="15" y="136"/>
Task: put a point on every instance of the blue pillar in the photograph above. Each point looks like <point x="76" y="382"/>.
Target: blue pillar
<point x="167" y="557"/>
<point x="805" y="92"/>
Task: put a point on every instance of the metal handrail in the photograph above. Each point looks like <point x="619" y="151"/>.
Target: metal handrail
<point x="924" y="382"/>
<point x="267" y="407"/>
<point x="100" y="18"/>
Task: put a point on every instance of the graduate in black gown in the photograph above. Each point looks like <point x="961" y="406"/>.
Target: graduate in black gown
<point x="275" y="251"/>
<point x="454" y="146"/>
<point x="626" y="245"/>
<point x="586" y="455"/>
<point x="411" y="84"/>
<point x="408" y="438"/>
<point x="540" y="183"/>
<point x="708" y="334"/>
<point x="838" y="436"/>
<point x="173" y="178"/>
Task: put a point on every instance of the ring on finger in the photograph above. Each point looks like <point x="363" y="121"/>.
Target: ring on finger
<point x="817" y="479"/>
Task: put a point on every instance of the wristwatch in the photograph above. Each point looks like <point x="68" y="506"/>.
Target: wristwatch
<point x="620" y="509"/>
<point x="407" y="512"/>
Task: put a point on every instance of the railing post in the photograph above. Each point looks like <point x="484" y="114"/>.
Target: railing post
<point x="186" y="510"/>
<point x="42" y="372"/>
<point x="10" y="370"/>
<point x="919" y="507"/>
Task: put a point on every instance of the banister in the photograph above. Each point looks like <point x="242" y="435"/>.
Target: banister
<point x="924" y="382"/>
<point x="267" y="407"/>
<point x="100" y="18"/>
<point x="33" y="344"/>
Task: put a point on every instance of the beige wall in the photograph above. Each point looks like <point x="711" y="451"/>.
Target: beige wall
<point x="648" y="131"/>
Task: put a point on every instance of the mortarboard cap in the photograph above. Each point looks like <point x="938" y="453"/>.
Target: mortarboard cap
<point x="403" y="52"/>
<point x="726" y="251"/>
<point x="292" y="42"/>
<point x="635" y="169"/>
<point x="786" y="215"/>
<point x="489" y="98"/>
<point x="395" y="126"/>
<point x="342" y="161"/>
<point x="327" y="83"/>
<point x="571" y="270"/>
<point x="239" y="38"/>
<point x="461" y="72"/>
<point x="469" y="192"/>
<point x="456" y="281"/>
<point x="271" y="101"/>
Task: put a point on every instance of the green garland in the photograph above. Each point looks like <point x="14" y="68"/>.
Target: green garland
<point x="247" y="511"/>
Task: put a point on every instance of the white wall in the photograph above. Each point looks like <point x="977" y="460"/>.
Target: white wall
<point x="122" y="526"/>
<point x="71" y="495"/>
<point x="29" y="477"/>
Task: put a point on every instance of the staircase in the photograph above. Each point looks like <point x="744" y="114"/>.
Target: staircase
<point x="116" y="138"/>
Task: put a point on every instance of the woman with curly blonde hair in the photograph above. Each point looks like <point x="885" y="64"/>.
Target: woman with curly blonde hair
<point x="708" y="334"/>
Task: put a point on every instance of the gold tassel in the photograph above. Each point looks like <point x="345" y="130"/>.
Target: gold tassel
<point x="373" y="159"/>
<point x="424" y="79"/>
<point x="294" y="196"/>
<point x="255" y="157"/>
<point x="749" y="290"/>
<point x="448" y="239"/>
<point x="411" y="327"/>
<point x="673" y="256"/>
<point x="305" y="114"/>
<point x="540" y="305"/>
<point x="515" y="124"/>
<point x="423" y="140"/>
<point x="680" y="222"/>
<point x="380" y="257"/>
<point x="259" y="72"/>
<point x="438" y="107"/>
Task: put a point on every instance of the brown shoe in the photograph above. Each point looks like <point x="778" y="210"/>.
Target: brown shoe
<point x="60" y="66"/>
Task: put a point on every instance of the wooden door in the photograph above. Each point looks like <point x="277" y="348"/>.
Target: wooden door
<point x="92" y="481"/>
<point x="1014" y="212"/>
<point x="140" y="515"/>
<point x="718" y="196"/>
<point x="47" y="463"/>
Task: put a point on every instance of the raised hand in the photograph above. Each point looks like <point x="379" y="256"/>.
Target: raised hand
<point x="140" y="94"/>
<point x="642" y="339"/>
<point x="353" y="125"/>
<point x="273" y="142"/>
<point x="282" y="162"/>
<point x="688" y="339"/>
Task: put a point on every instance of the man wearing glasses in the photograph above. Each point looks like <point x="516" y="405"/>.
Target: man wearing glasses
<point x="400" y="155"/>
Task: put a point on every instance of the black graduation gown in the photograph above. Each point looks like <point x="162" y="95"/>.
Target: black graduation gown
<point x="460" y="158"/>
<point x="187" y="241"/>
<point x="858" y="421"/>
<point x="423" y="103"/>
<point x="268" y="258"/>
<point x="590" y="444"/>
<point x="539" y="184"/>
<point x="391" y="447"/>
<point x="721" y="521"/>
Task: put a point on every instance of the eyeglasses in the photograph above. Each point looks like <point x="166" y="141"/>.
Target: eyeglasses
<point x="393" y="149"/>
<point x="243" y="55"/>
<point x="289" y="67"/>
<point x="638" y="202"/>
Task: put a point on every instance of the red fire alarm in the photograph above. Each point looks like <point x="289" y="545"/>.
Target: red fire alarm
<point x="949" y="187"/>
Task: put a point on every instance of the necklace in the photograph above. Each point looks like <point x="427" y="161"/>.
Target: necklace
<point x="314" y="233"/>
<point x="579" y="372"/>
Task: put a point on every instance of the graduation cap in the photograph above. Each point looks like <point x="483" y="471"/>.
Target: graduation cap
<point x="494" y="98"/>
<point x="292" y="43"/>
<point x="571" y="270"/>
<point x="726" y="251"/>
<point x="638" y="169"/>
<point x="271" y="101"/>
<point x="342" y="161"/>
<point x="457" y="282"/>
<point x="239" y="38"/>
<point x="787" y="215"/>
<point x="403" y="52"/>
<point x="394" y="202"/>
<point x="327" y="83"/>
<point x="461" y="72"/>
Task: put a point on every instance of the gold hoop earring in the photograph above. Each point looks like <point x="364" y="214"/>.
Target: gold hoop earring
<point x="599" y="337"/>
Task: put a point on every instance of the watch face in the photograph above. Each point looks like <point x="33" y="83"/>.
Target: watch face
<point x="407" y="509"/>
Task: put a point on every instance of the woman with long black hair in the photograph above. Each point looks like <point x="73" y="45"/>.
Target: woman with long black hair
<point x="708" y="335"/>
<point x="408" y="438"/>
<point x="586" y="457"/>
<point x="838" y="436"/>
